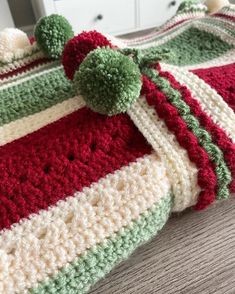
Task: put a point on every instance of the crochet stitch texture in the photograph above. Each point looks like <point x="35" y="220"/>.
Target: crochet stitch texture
<point x="79" y="190"/>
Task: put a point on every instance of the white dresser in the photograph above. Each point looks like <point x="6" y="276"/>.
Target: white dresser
<point x="109" y="16"/>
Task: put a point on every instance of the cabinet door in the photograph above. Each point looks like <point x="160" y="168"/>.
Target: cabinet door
<point x="109" y="16"/>
<point x="156" y="12"/>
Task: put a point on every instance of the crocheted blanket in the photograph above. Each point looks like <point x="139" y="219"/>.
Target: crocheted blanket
<point x="89" y="171"/>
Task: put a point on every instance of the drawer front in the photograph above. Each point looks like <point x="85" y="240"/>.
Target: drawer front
<point x="156" y="12"/>
<point x="108" y="16"/>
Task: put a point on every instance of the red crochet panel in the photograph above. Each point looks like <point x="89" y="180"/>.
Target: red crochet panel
<point x="220" y="78"/>
<point x="46" y="166"/>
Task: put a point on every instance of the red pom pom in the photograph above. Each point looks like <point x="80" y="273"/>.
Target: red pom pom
<point x="77" y="49"/>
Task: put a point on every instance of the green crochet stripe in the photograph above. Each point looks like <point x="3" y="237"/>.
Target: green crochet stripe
<point x="194" y="46"/>
<point x="80" y="275"/>
<point x="34" y="95"/>
<point x="215" y="154"/>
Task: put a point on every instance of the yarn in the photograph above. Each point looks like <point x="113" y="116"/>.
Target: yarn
<point x="222" y="80"/>
<point x="51" y="33"/>
<point x="188" y="50"/>
<point x="48" y="89"/>
<point x="99" y="260"/>
<point x="218" y="135"/>
<point x="122" y="206"/>
<point x="79" y="190"/>
<point x="96" y="146"/>
<point x="191" y="5"/>
<point x="77" y="49"/>
<point x="109" y="81"/>
<point x="187" y="140"/>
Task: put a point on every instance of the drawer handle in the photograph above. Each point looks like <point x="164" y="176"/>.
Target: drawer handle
<point x="172" y="3"/>
<point x="99" y="17"/>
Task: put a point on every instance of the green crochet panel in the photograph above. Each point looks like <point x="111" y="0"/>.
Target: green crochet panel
<point x="80" y="275"/>
<point x="34" y="95"/>
<point x="194" y="46"/>
<point x="204" y="138"/>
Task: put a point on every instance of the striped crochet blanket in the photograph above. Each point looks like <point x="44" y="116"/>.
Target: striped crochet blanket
<point x="81" y="190"/>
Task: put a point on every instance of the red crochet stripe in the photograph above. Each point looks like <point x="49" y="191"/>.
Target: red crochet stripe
<point x="218" y="135"/>
<point x="44" y="167"/>
<point x="229" y="17"/>
<point x="24" y="68"/>
<point x="206" y="177"/>
<point x="222" y="79"/>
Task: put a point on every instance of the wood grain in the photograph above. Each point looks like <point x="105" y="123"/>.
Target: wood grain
<point x="194" y="254"/>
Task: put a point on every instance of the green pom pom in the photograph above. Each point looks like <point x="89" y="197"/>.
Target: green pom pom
<point x="109" y="81"/>
<point x="52" y="33"/>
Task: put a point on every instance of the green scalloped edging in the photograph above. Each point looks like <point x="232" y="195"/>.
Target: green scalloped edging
<point x="204" y="138"/>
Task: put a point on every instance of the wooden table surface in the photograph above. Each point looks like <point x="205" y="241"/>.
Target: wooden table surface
<point x="193" y="254"/>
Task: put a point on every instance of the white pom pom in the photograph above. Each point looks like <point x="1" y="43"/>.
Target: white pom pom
<point x="11" y="41"/>
<point x="216" y="5"/>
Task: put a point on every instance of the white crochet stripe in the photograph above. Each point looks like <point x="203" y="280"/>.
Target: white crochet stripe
<point x="182" y="172"/>
<point x="28" y="72"/>
<point x="227" y="58"/>
<point x="38" y="247"/>
<point x="26" y="125"/>
<point x="211" y="102"/>
<point x="30" y="77"/>
<point x="21" y="62"/>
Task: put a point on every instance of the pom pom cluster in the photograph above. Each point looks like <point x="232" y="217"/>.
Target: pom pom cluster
<point x="77" y="49"/>
<point x="52" y="32"/>
<point x="109" y="81"/>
